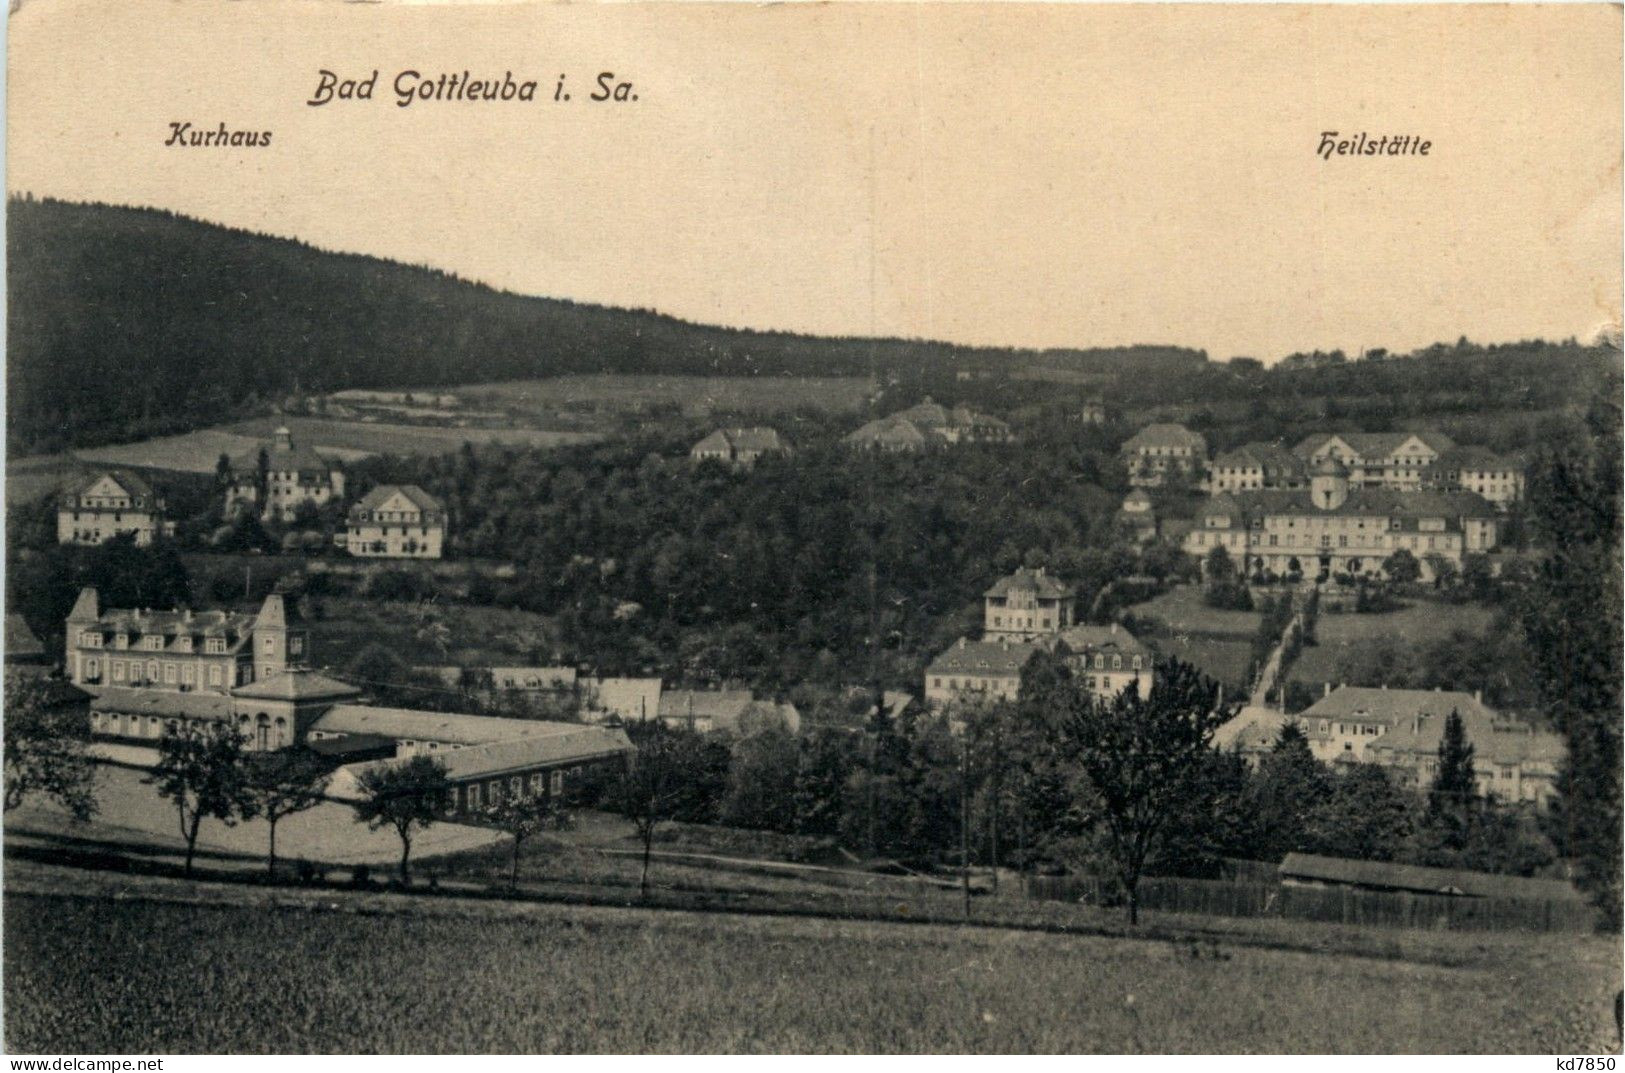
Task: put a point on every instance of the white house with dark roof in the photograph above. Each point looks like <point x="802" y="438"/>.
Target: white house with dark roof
<point x="396" y="521"/>
<point x="1512" y="761"/>
<point x="95" y="509"/>
<point x="1108" y="659"/>
<point x="1026" y="604"/>
<point x="1105" y="659"/>
<point x="293" y="476"/>
<point x="1497" y="478"/>
<point x="1393" y="460"/>
<point x="927" y="424"/>
<point x="977" y="669"/>
<point x="739" y="446"/>
<point x="1254" y="466"/>
<point x="1334" y="527"/>
<point x="1159" y="449"/>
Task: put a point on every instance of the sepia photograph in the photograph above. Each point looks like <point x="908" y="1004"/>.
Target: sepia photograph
<point x="812" y="528"/>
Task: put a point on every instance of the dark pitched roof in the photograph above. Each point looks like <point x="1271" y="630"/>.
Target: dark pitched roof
<point x="1371" y="502"/>
<point x="1039" y="582"/>
<point x="1108" y="640"/>
<point x="135" y="486"/>
<point x="984" y="658"/>
<point x="1166" y="434"/>
<point x="413" y="725"/>
<point x="1374" y="445"/>
<point x="376" y="498"/>
<point x="1421" y="880"/>
<point x="296" y="685"/>
<point x="163" y="703"/>
<point x="22" y="643"/>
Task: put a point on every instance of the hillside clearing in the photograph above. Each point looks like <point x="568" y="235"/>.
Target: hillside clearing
<point x="325" y="973"/>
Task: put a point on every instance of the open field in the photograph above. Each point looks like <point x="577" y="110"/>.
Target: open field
<point x="694" y="394"/>
<point x="132" y="812"/>
<point x="1183" y="611"/>
<point x="1218" y="642"/>
<point x="1222" y="659"/>
<point x="288" y="970"/>
<point x="402" y="439"/>
<point x="1419" y="623"/>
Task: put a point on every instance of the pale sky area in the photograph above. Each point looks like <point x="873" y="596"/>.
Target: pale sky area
<point x="1002" y="174"/>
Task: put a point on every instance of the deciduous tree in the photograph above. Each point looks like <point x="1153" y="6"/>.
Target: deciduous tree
<point x="280" y="783"/>
<point x="202" y="769"/>
<point x="405" y="797"/>
<point x="1142" y="757"/>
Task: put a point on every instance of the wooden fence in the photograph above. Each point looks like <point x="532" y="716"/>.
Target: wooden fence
<point x="1337" y="905"/>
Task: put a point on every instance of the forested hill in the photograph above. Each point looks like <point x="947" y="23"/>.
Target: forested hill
<point x="125" y="323"/>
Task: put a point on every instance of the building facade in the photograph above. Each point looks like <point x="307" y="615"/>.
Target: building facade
<point x="108" y="505"/>
<point x="1334" y="528"/>
<point x="1394" y="460"/>
<point x="739" y="446"/>
<point x="1255" y="466"/>
<point x="1498" y="479"/>
<point x="929" y="424"/>
<point x="1400" y="729"/>
<point x="1158" y="450"/>
<point x="1106" y="660"/>
<point x="293" y="476"/>
<point x="180" y="651"/>
<point x="396" y="521"/>
<point x="1026" y="604"/>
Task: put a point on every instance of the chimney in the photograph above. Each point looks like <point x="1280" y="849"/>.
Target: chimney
<point x="1328" y="691"/>
<point x="1114" y="627"/>
<point x="1478" y="695"/>
<point x="961" y="642"/>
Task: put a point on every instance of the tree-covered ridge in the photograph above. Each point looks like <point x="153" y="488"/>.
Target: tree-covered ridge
<point x="131" y="322"/>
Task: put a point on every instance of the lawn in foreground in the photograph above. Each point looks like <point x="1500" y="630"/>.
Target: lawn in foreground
<point x="92" y="974"/>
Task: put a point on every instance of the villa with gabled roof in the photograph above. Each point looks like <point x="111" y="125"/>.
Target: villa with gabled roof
<point x="294" y="474"/>
<point x="398" y="521"/>
<point x="739" y="446"/>
<point x="95" y="509"/>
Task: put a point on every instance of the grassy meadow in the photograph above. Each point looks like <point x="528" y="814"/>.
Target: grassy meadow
<point x="286" y="972"/>
<point x="1218" y="642"/>
<point x="1420" y="622"/>
<point x="693" y="394"/>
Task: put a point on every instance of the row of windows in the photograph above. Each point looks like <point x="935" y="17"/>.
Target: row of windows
<point x="154" y="643"/>
<point x="168" y="673"/>
<point x="1043" y="621"/>
<point x="406" y="530"/>
<point x="477" y="795"/>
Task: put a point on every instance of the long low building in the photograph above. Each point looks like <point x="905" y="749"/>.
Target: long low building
<point x="544" y="762"/>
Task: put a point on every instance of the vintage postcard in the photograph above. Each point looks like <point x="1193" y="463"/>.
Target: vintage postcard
<point x="867" y="528"/>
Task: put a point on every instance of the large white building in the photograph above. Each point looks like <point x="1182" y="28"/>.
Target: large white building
<point x="1333" y="527"/>
<point x="96" y="509"/>
<point x="1400" y="729"/>
<point x="396" y="521"/>
<point x="1107" y="659"/>
<point x="1158" y="450"/>
<point x="1394" y="460"/>
<point x="293" y="475"/>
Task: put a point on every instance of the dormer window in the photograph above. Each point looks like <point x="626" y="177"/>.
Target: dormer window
<point x="155" y="643"/>
<point x="215" y="645"/>
<point x="121" y="640"/>
<point x="91" y="639"/>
